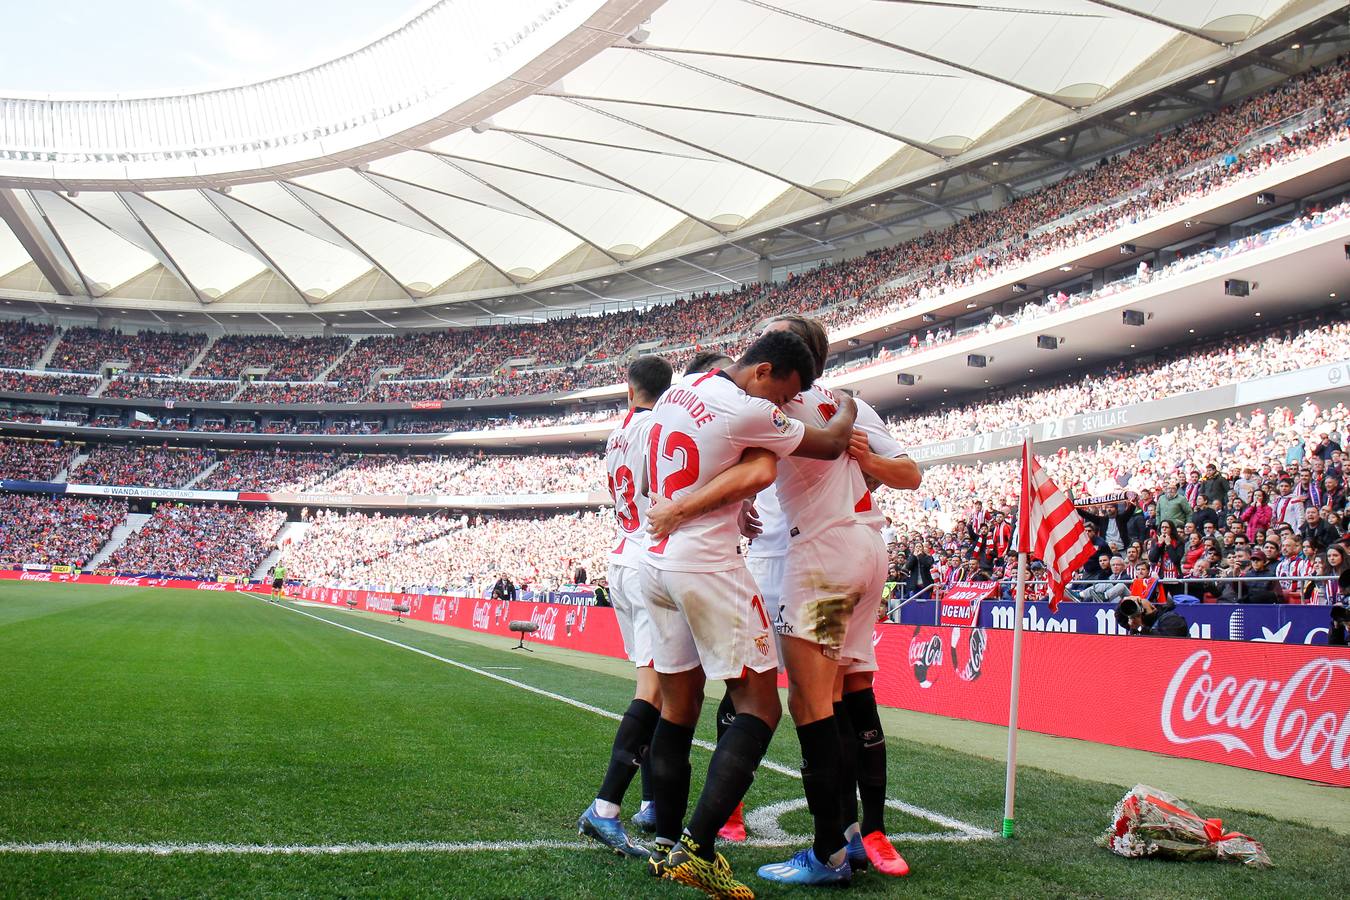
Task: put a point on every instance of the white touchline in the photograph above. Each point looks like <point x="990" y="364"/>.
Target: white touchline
<point x="965" y="829"/>
<point x="763" y="820"/>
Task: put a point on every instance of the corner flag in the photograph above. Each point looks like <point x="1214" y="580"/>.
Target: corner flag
<point x="1049" y="528"/>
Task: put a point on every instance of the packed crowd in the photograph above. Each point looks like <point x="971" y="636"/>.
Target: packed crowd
<point x="302" y="392"/>
<point x="465" y="556"/>
<point x="284" y="358"/>
<point x="423" y="354"/>
<point x="467" y="474"/>
<point x="272" y="470"/>
<point x="31" y="460"/>
<point x="143" y="466"/>
<point x="333" y="546"/>
<point x="55" y="531"/>
<point x="131" y="387"/>
<point x="1206" y="501"/>
<point x="35" y="383"/>
<point x="148" y="352"/>
<point x="22" y="343"/>
<point x="201" y="541"/>
<point x="1206" y="365"/>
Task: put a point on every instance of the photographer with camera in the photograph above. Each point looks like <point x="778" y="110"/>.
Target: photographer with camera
<point x="1137" y="615"/>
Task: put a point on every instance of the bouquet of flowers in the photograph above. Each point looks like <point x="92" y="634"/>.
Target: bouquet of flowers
<point x="1150" y="822"/>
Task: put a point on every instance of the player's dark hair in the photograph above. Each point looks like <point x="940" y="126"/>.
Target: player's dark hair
<point x="811" y="331"/>
<point x="785" y="352"/>
<point x="649" y="376"/>
<point x="706" y="361"/>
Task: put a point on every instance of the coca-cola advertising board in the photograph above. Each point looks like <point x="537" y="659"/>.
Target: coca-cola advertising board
<point x="1271" y="707"/>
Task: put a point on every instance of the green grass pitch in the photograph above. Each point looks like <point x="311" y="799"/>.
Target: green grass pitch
<point x="146" y="716"/>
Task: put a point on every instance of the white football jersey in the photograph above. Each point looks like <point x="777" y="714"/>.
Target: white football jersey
<point x="699" y="428"/>
<point x="624" y="461"/>
<point x="773" y="537"/>
<point x="881" y="442"/>
<point x="817" y="494"/>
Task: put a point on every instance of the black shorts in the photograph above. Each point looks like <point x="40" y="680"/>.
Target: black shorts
<point x="277" y="583"/>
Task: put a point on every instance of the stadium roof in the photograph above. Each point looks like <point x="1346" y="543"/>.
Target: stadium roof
<point x="486" y="149"/>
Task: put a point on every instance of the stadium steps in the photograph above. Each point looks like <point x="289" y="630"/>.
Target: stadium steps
<point x="75" y="464"/>
<point x="197" y="360"/>
<point x="201" y="475"/>
<point x="290" y="533"/>
<point x="102" y="386"/>
<point x="135" y="522"/>
<point x="48" y="352"/>
<point x="323" y="376"/>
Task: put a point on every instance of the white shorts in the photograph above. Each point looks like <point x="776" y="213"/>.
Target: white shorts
<point x="716" y="620"/>
<point x="625" y="595"/>
<point x="831" y="592"/>
<point x="768" y="574"/>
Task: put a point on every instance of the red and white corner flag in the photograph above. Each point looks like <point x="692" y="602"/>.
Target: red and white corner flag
<point x="1049" y="528"/>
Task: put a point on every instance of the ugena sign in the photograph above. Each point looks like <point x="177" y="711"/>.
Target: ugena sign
<point x="1287" y="718"/>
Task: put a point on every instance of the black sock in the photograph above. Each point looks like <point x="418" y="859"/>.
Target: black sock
<point x="848" y="765"/>
<point x="669" y="755"/>
<point x="726" y="712"/>
<point x="630" y="749"/>
<point x="730" y="775"/>
<point x="862" y="709"/>
<point x="820" y="780"/>
<point x="647" y="777"/>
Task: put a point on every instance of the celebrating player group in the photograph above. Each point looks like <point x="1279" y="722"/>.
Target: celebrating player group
<point x="749" y="448"/>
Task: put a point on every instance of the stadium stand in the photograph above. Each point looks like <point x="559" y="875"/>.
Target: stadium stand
<point x="261" y="470"/>
<point x="284" y="358"/>
<point x="130" y="387"/>
<point x="200" y="541"/>
<point x="143" y="466"/>
<point x="33" y="460"/>
<point x="21" y="343"/>
<point x="47" y="531"/>
<point x="148" y="352"/>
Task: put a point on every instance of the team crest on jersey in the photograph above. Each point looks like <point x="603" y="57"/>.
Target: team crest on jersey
<point x="762" y="644"/>
<point x="780" y="421"/>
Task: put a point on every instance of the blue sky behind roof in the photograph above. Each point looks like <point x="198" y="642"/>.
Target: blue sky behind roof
<point x="170" y="46"/>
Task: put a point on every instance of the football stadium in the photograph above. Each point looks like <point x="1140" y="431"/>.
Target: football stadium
<point x="675" y="448"/>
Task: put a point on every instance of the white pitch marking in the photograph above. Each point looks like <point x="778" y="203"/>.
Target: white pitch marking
<point x="706" y="745"/>
<point x="219" y="849"/>
<point x="766" y="822"/>
<point x="504" y="668"/>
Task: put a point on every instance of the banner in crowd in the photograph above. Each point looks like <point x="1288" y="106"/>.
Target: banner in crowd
<point x="960" y="604"/>
<point x="1270" y="707"/>
<point x="1259" y="622"/>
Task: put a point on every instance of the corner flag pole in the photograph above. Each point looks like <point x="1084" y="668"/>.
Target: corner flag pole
<point x="1023" y="550"/>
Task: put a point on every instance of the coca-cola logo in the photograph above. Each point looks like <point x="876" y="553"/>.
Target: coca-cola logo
<point x="126" y="582"/>
<point x="482" y="616"/>
<point x="36" y="576"/>
<point x="1301" y="715"/>
<point x="547" y="620"/>
<point x="211" y="586"/>
<point x="925" y="655"/>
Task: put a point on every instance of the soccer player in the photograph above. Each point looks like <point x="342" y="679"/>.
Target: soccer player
<point x="648" y="379"/>
<point x="709" y="618"/>
<point x="278" y="580"/>
<point x="822" y="511"/>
